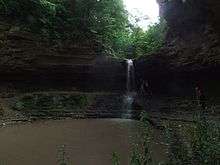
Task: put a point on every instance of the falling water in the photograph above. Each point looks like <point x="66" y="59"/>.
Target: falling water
<point x="129" y="96"/>
<point x="130" y="75"/>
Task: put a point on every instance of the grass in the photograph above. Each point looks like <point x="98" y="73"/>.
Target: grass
<point x="197" y="143"/>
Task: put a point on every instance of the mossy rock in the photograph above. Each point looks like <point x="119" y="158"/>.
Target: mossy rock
<point x="49" y="103"/>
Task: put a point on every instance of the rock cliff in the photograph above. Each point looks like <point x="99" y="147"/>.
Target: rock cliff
<point x="192" y="49"/>
<point x="29" y="61"/>
<point x="191" y="53"/>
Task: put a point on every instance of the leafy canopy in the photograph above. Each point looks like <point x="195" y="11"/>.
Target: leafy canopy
<point x="105" y="21"/>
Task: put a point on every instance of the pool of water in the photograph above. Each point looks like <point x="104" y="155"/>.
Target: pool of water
<point x="87" y="142"/>
<point x="80" y="142"/>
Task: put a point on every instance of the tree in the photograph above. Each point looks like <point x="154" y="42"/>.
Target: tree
<point x="105" y="21"/>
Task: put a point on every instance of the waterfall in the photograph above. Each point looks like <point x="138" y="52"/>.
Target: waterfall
<point x="130" y="85"/>
<point x="130" y="75"/>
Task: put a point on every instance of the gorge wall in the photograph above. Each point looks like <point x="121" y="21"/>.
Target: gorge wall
<point x="29" y="62"/>
<point x="191" y="54"/>
<point x="192" y="51"/>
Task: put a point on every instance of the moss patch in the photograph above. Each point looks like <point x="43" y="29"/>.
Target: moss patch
<point x="47" y="104"/>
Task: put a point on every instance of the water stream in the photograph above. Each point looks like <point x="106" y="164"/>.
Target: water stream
<point x="130" y="93"/>
<point x="130" y="74"/>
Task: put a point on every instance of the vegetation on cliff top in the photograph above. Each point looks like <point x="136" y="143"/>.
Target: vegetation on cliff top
<point x="104" y="21"/>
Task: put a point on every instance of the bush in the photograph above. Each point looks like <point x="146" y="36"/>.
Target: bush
<point x="197" y="144"/>
<point x="137" y="42"/>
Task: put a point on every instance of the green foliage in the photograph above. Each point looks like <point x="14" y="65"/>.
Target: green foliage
<point x="195" y="144"/>
<point x="105" y="21"/>
<point x="141" y="154"/>
<point x="205" y="142"/>
<point x="177" y="149"/>
<point x="57" y="18"/>
<point x="115" y="159"/>
<point x="39" y="16"/>
<point x="62" y="156"/>
<point x="44" y="102"/>
<point x="137" y="42"/>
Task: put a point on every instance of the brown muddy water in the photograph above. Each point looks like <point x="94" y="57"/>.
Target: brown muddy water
<point x="87" y="142"/>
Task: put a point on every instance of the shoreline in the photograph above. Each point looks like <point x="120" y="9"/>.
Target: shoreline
<point x="155" y="119"/>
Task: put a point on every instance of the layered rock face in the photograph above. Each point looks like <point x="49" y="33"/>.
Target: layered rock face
<point x="191" y="53"/>
<point x="28" y="61"/>
<point x="192" y="50"/>
<point x="192" y="40"/>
